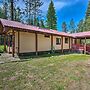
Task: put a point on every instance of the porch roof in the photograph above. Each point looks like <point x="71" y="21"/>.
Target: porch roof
<point x="29" y="28"/>
<point x="81" y="34"/>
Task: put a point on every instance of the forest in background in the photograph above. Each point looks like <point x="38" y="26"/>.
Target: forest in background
<point x="32" y="14"/>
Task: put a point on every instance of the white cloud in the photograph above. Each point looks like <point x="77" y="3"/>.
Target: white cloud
<point x="59" y="4"/>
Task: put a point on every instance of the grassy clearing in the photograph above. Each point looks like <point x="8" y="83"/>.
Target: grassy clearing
<point x="67" y="72"/>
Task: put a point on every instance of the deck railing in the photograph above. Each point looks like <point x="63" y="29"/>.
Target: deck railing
<point x="88" y="47"/>
<point x="81" y="47"/>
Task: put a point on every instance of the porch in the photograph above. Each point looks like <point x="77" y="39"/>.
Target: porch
<point x="81" y="42"/>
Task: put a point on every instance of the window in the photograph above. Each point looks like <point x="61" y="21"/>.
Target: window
<point x="66" y="40"/>
<point x="58" y="41"/>
<point x="47" y="36"/>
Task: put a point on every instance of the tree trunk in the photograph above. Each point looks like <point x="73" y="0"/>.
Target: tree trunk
<point x="12" y="14"/>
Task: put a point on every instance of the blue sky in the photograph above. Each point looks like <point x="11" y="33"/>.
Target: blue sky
<point x="67" y="9"/>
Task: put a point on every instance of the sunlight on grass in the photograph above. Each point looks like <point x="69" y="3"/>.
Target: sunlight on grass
<point x="66" y="72"/>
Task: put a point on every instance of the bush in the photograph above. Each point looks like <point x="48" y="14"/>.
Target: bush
<point x="1" y="48"/>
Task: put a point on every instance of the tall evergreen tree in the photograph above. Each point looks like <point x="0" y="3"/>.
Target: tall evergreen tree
<point x="72" y="26"/>
<point x="17" y="14"/>
<point x="42" y="25"/>
<point x="64" y="27"/>
<point x="80" y="26"/>
<point x="51" y="17"/>
<point x="36" y="10"/>
<point x="37" y="22"/>
<point x="28" y="11"/>
<point x="1" y="13"/>
<point x="87" y="18"/>
<point x="10" y="9"/>
<point x="5" y="8"/>
<point x="32" y="10"/>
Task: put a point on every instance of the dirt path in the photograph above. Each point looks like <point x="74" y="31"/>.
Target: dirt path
<point x="5" y="58"/>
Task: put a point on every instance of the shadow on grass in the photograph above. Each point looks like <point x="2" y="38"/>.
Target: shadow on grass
<point x="38" y="56"/>
<point x="27" y="57"/>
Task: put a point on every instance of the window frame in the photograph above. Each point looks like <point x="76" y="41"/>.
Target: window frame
<point x="47" y="36"/>
<point x="66" y="40"/>
<point x="58" y="41"/>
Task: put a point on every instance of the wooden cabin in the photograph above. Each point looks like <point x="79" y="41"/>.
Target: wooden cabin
<point x="25" y="39"/>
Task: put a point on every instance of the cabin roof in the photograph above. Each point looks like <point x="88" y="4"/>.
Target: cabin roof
<point x="29" y="28"/>
<point x="81" y="34"/>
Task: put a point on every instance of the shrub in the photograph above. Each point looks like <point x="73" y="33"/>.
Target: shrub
<point x="1" y="48"/>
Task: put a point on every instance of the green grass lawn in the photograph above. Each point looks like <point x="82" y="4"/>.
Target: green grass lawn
<point x="66" y="72"/>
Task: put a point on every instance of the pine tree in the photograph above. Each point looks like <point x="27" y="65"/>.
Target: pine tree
<point x="37" y="22"/>
<point x="87" y="18"/>
<point x="32" y="10"/>
<point x="72" y="26"/>
<point x="17" y="14"/>
<point x="5" y="8"/>
<point x="80" y="26"/>
<point x="42" y="24"/>
<point x="9" y="7"/>
<point x="51" y="17"/>
<point x="64" y="27"/>
<point x="31" y="21"/>
<point x="36" y="10"/>
<point x="28" y="11"/>
<point x="1" y="13"/>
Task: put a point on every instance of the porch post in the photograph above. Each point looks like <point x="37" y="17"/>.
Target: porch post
<point x="80" y="40"/>
<point x="62" y="44"/>
<point x="51" y="43"/>
<point x="18" y="42"/>
<point x="4" y="42"/>
<point x="9" y="42"/>
<point x="69" y="43"/>
<point x="13" y="43"/>
<point x="76" y="41"/>
<point x="85" y="46"/>
<point x="36" y="43"/>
